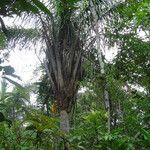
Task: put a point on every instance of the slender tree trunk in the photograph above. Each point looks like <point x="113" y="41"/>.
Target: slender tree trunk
<point x="47" y="108"/>
<point x="120" y="111"/>
<point x="102" y="68"/>
<point x="108" y="108"/>
<point x="5" y="146"/>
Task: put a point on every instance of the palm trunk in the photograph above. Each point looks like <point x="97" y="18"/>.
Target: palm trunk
<point x="64" y="121"/>
<point x="63" y="63"/>
<point x="64" y="126"/>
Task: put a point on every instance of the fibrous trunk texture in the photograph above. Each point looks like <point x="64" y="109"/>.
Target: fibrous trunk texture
<point x="64" y="121"/>
<point x="64" y="126"/>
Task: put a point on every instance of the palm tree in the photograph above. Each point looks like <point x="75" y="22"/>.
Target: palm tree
<point x="63" y="53"/>
<point x="66" y="33"/>
<point x="12" y="103"/>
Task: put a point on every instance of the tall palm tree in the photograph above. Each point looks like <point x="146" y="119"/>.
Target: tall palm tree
<point x="65" y="40"/>
<point x="63" y="55"/>
<point x="66" y="33"/>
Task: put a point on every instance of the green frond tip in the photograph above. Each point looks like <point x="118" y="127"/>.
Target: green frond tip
<point x="13" y="82"/>
<point x="42" y="7"/>
<point x="24" y="34"/>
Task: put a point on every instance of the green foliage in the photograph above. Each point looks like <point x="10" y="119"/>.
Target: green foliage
<point x="87" y="133"/>
<point x="19" y="6"/>
<point x="42" y="7"/>
<point x="42" y="122"/>
<point x="2" y="118"/>
<point x="24" y="127"/>
<point x="7" y="72"/>
<point x="135" y="13"/>
<point x="2" y="40"/>
<point x="140" y="12"/>
<point x="69" y="5"/>
<point x="132" y="61"/>
<point x="91" y="133"/>
<point x="47" y="129"/>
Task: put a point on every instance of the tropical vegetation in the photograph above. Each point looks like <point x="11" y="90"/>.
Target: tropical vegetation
<point x="84" y="99"/>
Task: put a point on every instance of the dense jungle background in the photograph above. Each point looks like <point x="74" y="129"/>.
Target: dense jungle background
<point x="91" y="85"/>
